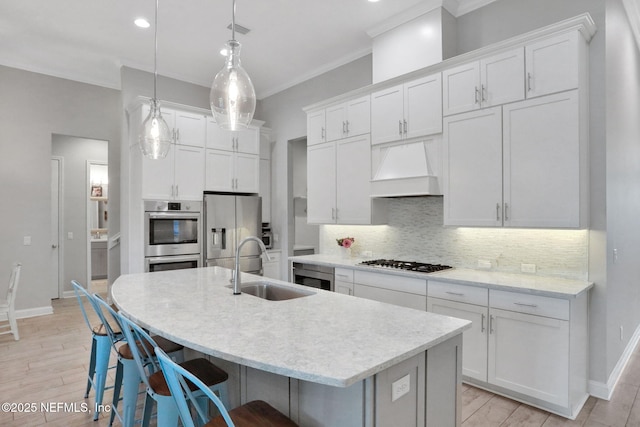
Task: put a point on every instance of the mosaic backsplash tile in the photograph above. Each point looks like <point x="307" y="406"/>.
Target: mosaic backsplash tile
<point x="415" y="233"/>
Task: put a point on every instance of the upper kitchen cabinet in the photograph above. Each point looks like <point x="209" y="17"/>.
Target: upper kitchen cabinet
<point x="316" y="128"/>
<point x="266" y="138"/>
<point x="338" y="183"/>
<point x="409" y="110"/>
<point x="555" y="64"/>
<point x="351" y="118"/>
<point x="521" y="165"/>
<point x="188" y="128"/>
<point x="490" y="81"/>
<point x="232" y="158"/>
<point x="242" y="141"/>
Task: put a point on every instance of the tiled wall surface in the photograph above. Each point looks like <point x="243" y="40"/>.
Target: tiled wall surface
<point x="415" y="232"/>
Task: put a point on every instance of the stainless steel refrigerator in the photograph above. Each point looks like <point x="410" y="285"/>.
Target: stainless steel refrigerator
<point x="228" y="219"/>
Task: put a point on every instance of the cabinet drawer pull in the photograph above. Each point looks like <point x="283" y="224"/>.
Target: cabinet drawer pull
<point x="482" y="322"/>
<point x="342" y="276"/>
<point x="458" y="294"/>
<point x="521" y="304"/>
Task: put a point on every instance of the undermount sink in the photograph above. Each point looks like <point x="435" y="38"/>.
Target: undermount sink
<point x="271" y="291"/>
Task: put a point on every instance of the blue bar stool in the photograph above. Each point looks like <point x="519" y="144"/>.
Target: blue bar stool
<point x="127" y="374"/>
<point x="183" y="384"/>
<point x="100" y="351"/>
<point x="143" y="348"/>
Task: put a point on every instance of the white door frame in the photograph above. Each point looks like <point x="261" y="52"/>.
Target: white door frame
<point x="56" y="287"/>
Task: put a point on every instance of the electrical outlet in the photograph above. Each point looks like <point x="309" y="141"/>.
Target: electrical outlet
<point x="26" y="241"/>
<point x="615" y="256"/>
<point x="621" y="333"/>
<point x="528" y="268"/>
<point x="484" y="264"/>
<point x="367" y="254"/>
<point x="70" y="235"/>
<point x="401" y="387"/>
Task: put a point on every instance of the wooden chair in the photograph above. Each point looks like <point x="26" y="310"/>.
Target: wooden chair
<point x="7" y="306"/>
<point x="183" y="384"/>
<point x="143" y="349"/>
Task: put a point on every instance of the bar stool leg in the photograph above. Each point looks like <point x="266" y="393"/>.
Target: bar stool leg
<point x="103" y="351"/>
<point x="92" y="366"/>
<point x="167" y="411"/>
<point x="130" y="394"/>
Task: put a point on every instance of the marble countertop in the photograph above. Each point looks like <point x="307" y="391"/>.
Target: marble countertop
<point x="326" y="338"/>
<point x="527" y="283"/>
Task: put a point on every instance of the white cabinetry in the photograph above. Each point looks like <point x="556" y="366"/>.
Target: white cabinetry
<point x="316" y="129"/>
<point x="531" y="347"/>
<point x="338" y="183"/>
<point x="180" y="175"/>
<point x="494" y="80"/>
<point x="404" y="291"/>
<point x="343" y="283"/>
<point x="555" y="64"/>
<point x="232" y="159"/>
<point x="521" y="165"/>
<point x="410" y="110"/>
<point x="265" y="173"/>
<point x="469" y="303"/>
<point x="351" y="118"/>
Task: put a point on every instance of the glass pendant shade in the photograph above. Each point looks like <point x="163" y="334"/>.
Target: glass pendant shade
<point x="156" y="137"/>
<point x="232" y="97"/>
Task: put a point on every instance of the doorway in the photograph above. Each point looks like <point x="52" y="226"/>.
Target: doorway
<point x="71" y="245"/>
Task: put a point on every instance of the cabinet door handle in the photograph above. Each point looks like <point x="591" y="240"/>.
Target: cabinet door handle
<point x="322" y="134"/>
<point x="497" y="211"/>
<point x="476" y="95"/>
<point x="482" y="328"/>
<point x="528" y="82"/>
<point x="400" y="127"/>
<point x="347" y="127"/>
<point x="405" y="126"/>
<point x="173" y="135"/>
<point x="344" y="128"/>
<point x="521" y="304"/>
<point x="333" y="213"/>
<point x="177" y="191"/>
<point x="491" y="330"/>
<point x="506" y="212"/>
<point x="458" y="294"/>
<point x="484" y="91"/>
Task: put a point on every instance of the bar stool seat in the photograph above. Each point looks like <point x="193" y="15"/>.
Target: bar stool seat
<point x="166" y="345"/>
<point x="208" y="373"/>
<point x="255" y="413"/>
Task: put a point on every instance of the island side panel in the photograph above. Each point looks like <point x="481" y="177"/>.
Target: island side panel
<point x="444" y="384"/>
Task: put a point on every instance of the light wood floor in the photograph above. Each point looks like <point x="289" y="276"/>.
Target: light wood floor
<point x="49" y="365"/>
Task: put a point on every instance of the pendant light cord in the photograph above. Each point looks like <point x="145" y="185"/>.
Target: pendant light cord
<point x="155" y="54"/>
<point x="233" y="20"/>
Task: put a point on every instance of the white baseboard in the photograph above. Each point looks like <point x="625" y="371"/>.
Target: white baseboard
<point x="30" y="312"/>
<point x="605" y="390"/>
<point x="68" y="294"/>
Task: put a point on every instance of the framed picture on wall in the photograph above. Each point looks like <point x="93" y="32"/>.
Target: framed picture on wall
<point x="96" y="191"/>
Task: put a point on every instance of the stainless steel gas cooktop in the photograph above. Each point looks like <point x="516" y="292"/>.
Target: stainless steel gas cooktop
<point x="405" y="265"/>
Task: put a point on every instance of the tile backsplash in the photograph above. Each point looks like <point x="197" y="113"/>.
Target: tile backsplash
<point x="415" y="233"/>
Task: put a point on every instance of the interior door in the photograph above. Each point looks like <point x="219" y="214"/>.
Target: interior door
<point x="55" y="230"/>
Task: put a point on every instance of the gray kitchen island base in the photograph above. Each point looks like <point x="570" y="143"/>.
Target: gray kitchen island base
<point x="432" y="397"/>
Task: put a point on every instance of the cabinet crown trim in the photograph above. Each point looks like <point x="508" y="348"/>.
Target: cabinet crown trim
<point x="582" y="23"/>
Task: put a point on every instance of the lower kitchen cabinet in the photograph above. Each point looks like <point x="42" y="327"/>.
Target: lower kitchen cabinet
<point x="532" y="348"/>
<point x="343" y="283"/>
<point x="403" y="291"/>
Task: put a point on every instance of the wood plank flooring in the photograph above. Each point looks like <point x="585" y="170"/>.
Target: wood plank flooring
<point x="49" y="365"/>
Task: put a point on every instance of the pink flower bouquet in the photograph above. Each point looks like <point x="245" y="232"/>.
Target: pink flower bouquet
<point x="346" y="242"/>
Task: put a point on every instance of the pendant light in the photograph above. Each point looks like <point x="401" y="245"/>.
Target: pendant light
<point x="232" y="97"/>
<point x="155" y="136"/>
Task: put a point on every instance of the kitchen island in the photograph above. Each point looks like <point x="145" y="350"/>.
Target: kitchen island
<point x="324" y="359"/>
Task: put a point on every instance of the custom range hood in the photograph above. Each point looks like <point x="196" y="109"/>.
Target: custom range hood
<point x="410" y="164"/>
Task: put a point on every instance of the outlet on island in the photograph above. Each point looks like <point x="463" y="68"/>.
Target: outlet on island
<point x="528" y="268"/>
<point x="484" y="264"/>
<point x="401" y="387"/>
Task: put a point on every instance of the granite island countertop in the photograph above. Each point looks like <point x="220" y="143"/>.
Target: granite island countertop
<point x="526" y="283"/>
<point x="326" y="338"/>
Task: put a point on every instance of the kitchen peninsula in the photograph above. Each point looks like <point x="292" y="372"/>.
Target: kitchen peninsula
<point x="323" y="359"/>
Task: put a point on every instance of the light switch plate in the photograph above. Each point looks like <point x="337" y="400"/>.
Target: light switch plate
<point x="484" y="264"/>
<point x="528" y="268"/>
<point x="400" y="387"/>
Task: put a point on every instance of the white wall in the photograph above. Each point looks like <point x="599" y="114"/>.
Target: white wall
<point x="32" y="108"/>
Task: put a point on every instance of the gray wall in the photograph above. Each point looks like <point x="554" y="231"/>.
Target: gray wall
<point x="623" y="177"/>
<point x="75" y="152"/>
<point x="32" y="108"/>
<point x="283" y="113"/>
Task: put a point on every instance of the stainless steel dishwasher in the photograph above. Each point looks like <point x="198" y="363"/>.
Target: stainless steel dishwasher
<point x="314" y="276"/>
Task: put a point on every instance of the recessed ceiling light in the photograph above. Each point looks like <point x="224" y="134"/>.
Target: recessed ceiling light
<point x="373" y="1"/>
<point x="142" y="23"/>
